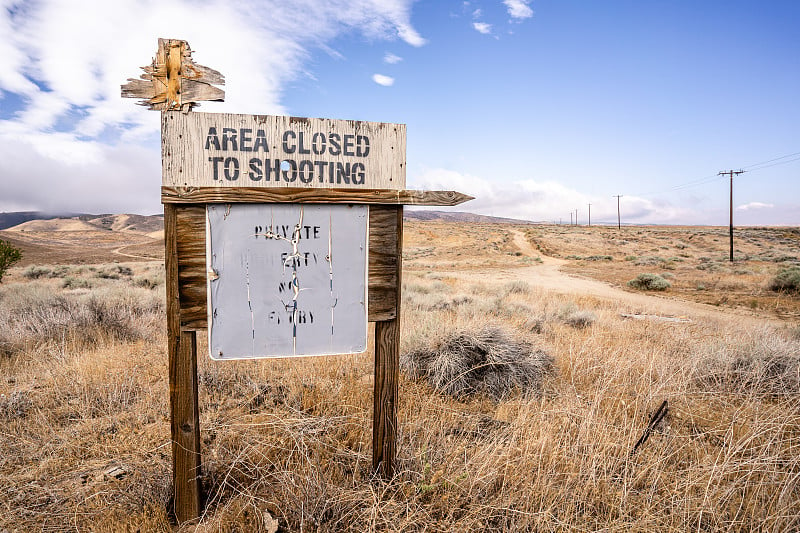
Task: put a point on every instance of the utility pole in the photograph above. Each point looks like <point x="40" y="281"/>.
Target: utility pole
<point x="570" y="218"/>
<point x="590" y="214"/>
<point x="731" y="173"/>
<point x="619" y="220"/>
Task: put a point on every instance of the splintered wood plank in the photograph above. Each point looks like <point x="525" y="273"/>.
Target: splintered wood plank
<point x="387" y="372"/>
<point x="225" y="150"/>
<point x="182" y="362"/>
<point x="174" y="80"/>
<point x="191" y="259"/>
<point x="203" y="195"/>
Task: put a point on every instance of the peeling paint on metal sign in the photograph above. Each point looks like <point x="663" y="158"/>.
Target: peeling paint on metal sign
<point x="288" y="280"/>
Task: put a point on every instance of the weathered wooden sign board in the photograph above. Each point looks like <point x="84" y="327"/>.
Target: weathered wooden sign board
<point x="226" y="150"/>
<point x="222" y="174"/>
<point x="286" y="280"/>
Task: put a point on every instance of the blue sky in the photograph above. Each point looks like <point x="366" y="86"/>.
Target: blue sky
<point x="537" y="108"/>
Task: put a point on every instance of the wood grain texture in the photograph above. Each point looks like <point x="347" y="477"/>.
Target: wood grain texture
<point x="205" y="195"/>
<point x="387" y="373"/>
<point x="191" y="258"/>
<point x="193" y="156"/>
<point x="191" y="228"/>
<point x="184" y="410"/>
<point x="383" y="264"/>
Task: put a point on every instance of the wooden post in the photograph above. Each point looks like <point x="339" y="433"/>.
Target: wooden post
<point x="387" y="372"/>
<point x="184" y="410"/>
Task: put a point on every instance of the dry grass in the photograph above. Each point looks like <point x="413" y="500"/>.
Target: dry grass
<point x="488" y="360"/>
<point x="84" y="422"/>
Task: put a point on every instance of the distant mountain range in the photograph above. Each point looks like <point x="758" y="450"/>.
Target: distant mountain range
<point x="36" y="220"/>
<point x="9" y="220"/>
<point x="458" y="216"/>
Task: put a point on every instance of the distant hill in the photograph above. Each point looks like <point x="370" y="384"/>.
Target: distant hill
<point x="458" y="216"/>
<point x="153" y="225"/>
<point x="8" y="220"/>
<point x="32" y="221"/>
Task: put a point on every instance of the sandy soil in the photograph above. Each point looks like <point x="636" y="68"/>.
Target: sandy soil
<point x="548" y="276"/>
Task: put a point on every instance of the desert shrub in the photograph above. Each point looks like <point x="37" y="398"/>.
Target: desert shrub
<point x="9" y="255"/>
<point x="489" y="360"/>
<point x="598" y="258"/>
<point x="649" y="282"/>
<point x="759" y="362"/>
<point x="31" y="314"/>
<point x="114" y="272"/>
<point x="517" y="287"/>
<point x="786" y="280"/>
<point x="427" y="288"/>
<point x="147" y="282"/>
<point x="36" y="272"/>
<point x="75" y="283"/>
<point x="713" y="267"/>
<point x="649" y="260"/>
<point x="580" y="319"/>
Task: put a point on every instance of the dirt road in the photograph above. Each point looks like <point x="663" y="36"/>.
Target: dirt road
<point x="548" y="276"/>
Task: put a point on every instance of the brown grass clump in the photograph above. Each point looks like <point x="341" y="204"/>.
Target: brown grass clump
<point x="489" y="360"/>
<point x="759" y="363"/>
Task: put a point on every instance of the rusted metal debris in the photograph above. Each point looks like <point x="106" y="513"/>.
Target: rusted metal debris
<point x="173" y="81"/>
<point x="655" y="420"/>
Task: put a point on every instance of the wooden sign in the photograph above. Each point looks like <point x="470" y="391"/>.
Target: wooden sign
<point x="226" y="150"/>
<point x="246" y="254"/>
<point x="286" y="280"/>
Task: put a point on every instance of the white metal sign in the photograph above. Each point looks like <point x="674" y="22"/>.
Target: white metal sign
<point x="286" y="279"/>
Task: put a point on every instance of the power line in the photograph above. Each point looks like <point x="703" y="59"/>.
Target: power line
<point x="716" y="177"/>
<point x="749" y="167"/>
<point x="774" y="164"/>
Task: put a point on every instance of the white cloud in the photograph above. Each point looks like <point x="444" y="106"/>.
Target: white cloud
<point x="547" y="201"/>
<point x="477" y="14"/>
<point x="64" y="62"/>
<point x="482" y="27"/>
<point x="391" y="58"/>
<point x="380" y="79"/>
<point x="518" y="9"/>
<point x="754" y="206"/>
<point x="96" y="179"/>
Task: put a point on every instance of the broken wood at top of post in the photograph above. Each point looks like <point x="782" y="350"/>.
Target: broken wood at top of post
<point x="173" y="81"/>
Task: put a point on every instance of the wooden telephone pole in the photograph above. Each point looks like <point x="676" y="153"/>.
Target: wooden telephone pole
<point x="731" y="173"/>
<point x="619" y="220"/>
